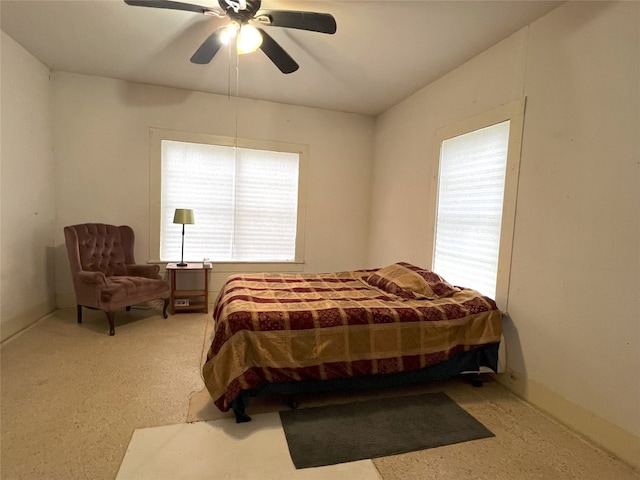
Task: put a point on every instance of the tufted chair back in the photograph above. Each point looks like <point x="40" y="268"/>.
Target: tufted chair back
<point x="105" y="275"/>
<point x="101" y="248"/>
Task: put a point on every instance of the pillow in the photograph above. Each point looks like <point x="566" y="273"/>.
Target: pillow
<point x="439" y="286"/>
<point x="408" y="281"/>
<point x="397" y="279"/>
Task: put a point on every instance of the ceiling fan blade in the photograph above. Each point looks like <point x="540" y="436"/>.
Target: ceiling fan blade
<point x="312" y="21"/>
<point x="276" y="54"/>
<point x="209" y="48"/>
<point x="189" y="7"/>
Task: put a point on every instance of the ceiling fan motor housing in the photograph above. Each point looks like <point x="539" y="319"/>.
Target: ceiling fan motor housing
<point x="241" y="16"/>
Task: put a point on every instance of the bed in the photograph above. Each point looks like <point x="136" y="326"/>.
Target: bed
<point x="287" y="333"/>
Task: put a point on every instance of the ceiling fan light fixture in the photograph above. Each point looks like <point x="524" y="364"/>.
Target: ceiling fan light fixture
<point x="249" y="39"/>
<point x="229" y="33"/>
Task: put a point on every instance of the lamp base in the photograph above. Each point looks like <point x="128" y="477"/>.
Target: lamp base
<point x="182" y="264"/>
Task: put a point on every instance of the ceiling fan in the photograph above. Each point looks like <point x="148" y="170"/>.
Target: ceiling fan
<point x="248" y="37"/>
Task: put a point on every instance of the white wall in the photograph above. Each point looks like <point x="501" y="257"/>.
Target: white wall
<point x="27" y="190"/>
<point x="101" y="138"/>
<point x="572" y="341"/>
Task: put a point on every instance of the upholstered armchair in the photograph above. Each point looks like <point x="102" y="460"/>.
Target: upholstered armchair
<point x="105" y="274"/>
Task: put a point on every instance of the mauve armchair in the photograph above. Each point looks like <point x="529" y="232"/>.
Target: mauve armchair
<point x="105" y="274"/>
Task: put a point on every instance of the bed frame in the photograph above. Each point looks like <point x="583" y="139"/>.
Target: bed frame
<point x="465" y="362"/>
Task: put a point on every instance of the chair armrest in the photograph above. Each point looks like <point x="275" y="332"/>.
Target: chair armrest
<point x="147" y="271"/>
<point x="92" y="278"/>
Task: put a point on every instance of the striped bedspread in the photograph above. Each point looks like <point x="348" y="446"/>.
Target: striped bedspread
<point x="288" y="327"/>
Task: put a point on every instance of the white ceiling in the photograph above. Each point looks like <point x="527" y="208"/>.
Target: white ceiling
<point x="382" y="52"/>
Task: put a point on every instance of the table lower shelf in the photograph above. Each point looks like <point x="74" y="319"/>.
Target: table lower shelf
<point x="192" y="307"/>
<point x="196" y="301"/>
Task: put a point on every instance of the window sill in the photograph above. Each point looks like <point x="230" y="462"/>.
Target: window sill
<point x="237" y="267"/>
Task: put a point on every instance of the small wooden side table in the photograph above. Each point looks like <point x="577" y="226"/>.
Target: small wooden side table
<point x="196" y="300"/>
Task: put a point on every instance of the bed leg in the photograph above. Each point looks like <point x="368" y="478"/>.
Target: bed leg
<point x="474" y="379"/>
<point x="239" y="406"/>
<point x="241" y="416"/>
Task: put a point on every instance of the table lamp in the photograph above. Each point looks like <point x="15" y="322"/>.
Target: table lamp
<point x="183" y="216"/>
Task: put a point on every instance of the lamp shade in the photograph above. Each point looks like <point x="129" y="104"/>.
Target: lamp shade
<point x="183" y="216"/>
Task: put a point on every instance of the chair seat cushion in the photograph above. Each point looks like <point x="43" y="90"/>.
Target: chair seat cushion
<point x="122" y="291"/>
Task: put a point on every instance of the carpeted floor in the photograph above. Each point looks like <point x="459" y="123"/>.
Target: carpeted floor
<point x="72" y="397"/>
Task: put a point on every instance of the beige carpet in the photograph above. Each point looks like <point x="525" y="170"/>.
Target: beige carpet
<point x="72" y="397"/>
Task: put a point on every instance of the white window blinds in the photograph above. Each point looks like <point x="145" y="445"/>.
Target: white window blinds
<point x="469" y="208"/>
<point x="245" y="202"/>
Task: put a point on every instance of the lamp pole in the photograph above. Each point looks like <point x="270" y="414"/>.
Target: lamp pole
<point x="182" y="263"/>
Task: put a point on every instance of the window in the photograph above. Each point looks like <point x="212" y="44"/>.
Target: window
<point x="469" y="211"/>
<point x="246" y="199"/>
<point x="475" y="203"/>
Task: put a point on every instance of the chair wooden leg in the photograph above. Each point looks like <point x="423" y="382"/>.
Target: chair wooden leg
<point x="111" y="317"/>
<point x="79" y="310"/>
<point x="164" y="308"/>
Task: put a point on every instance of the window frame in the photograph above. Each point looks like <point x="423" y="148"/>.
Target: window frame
<point x="514" y="113"/>
<point x="157" y="135"/>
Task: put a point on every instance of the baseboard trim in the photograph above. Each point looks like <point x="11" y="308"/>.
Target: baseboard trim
<point x="595" y="429"/>
<point x="25" y="319"/>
